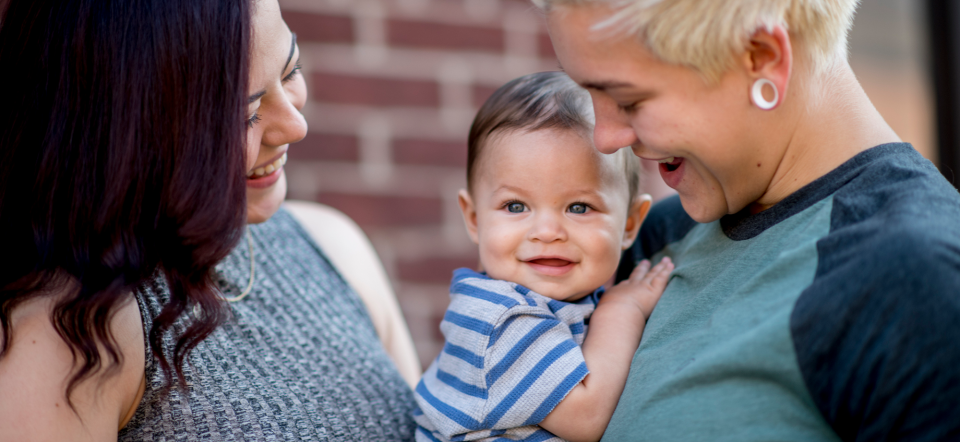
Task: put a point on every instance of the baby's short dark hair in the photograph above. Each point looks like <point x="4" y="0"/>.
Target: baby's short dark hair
<point x="544" y="100"/>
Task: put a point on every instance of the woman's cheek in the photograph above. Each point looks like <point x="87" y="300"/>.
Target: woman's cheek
<point x="297" y="90"/>
<point x="253" y="146"/>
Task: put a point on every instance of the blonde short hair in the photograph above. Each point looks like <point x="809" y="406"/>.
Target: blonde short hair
<point x="705" y="34"/>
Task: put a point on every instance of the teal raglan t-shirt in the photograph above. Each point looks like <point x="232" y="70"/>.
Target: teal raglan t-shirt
<point x="823" y="318"/>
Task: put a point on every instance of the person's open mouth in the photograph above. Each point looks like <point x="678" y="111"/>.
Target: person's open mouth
<point x="671" y="170"/>
<point x="266" y="175"/>
<point x="670" y="164"/>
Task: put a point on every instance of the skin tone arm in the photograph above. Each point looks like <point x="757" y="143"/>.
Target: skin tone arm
<point x="35" y="371"/>
<point x="612" y="339"/>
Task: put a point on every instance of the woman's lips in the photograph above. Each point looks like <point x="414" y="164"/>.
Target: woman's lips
<point x="551" y="266"/>
<point x="266" y="175"/>
<point x="671" y="170"/>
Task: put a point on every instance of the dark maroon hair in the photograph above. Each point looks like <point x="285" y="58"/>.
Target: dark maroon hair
<point x="121" y="159"/>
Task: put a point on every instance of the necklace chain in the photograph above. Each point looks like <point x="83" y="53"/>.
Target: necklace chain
<point x="252" y="269"/>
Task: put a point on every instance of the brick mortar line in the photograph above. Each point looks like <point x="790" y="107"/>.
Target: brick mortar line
<point x="433" y="12"/>
<point x="406" y="122"/>
<point x="345" y="177"/>
<point x="489" y="69"/>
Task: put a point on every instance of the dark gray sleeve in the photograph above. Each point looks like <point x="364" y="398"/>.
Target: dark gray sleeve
<point x="877" y="334"/>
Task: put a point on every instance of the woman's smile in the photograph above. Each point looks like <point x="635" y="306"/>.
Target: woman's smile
<point x="266" y="175"/>
<point x="671" y="169"/>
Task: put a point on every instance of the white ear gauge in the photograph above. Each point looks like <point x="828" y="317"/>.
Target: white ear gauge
<point x="757" y="94"/>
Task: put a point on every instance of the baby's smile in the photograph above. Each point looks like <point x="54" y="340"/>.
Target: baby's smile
<point x="551" y="266"/>
<point x="550" y="211"/>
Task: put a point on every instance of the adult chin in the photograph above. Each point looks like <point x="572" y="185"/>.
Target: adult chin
<point x="703" y="206"/>
<point x="263" y="202"/>
<point x="701" y="194"/>
<point x="700" y="212"/>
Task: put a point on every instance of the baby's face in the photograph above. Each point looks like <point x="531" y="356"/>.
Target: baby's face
<point x="549" y="212"/>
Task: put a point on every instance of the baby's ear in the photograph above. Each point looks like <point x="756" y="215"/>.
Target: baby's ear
<point x="469" y="211"/>
<point x="635" y="216"/>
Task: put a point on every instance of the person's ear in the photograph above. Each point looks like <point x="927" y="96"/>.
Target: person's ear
<point x="768" y="60"/>
<point x="638" y="212"/>
<point x="469" y="212"/>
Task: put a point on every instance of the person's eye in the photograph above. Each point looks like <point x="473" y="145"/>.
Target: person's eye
<point x="578" y="208"/>
<point x="515" y="207"/>
<point x="253" y="119"/>
<point x="293" y="73"/>
<point x="628" y="107"/>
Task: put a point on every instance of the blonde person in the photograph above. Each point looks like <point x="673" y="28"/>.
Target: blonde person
<point x="154" y="288"/>
<point x="551" y="216"/>
<point x="816" y="294"/>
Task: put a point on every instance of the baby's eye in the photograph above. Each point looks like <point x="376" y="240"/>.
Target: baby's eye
<point x="578" y="208"/>
<point x="515" y="207"/>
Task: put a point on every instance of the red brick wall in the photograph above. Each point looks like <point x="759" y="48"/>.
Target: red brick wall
<point x="393" y="88"/>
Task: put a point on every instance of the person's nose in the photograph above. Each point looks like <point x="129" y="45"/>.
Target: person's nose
<point x="612" y="130"/>
<point x="288" y="125"/>
<point x="547" y="227"/>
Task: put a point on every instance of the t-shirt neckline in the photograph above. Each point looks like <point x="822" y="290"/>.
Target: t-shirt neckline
<point x="743" y="225"/>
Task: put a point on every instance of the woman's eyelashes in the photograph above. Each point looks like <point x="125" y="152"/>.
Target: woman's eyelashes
<point x="253" y="119"/>
<point x="629" y="103"/>
<point x="293" y="73"/>
<point x="628" y="108"/>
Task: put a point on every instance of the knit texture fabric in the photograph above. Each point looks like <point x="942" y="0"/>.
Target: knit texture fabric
<point x="298" y="359"/>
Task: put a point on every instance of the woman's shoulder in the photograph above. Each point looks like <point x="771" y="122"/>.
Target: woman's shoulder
<point x="38" y="365"/>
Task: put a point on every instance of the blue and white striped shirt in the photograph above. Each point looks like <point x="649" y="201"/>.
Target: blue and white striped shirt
<point x="511" y="355"/>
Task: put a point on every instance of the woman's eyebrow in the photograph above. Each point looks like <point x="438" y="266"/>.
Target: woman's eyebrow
<point x="256" y="96"/>
<point x="293" y="48"/>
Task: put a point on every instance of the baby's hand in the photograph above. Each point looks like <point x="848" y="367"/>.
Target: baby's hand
<point x="643" y="287"/>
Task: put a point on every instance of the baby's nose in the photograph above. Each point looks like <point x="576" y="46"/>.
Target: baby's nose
<point x="547" y="227"/>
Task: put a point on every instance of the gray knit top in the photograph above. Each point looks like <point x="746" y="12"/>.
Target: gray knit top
<point x="298" y="359"/>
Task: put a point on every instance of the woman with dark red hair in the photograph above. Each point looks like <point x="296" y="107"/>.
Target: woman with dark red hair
<point x="153" y="289"/>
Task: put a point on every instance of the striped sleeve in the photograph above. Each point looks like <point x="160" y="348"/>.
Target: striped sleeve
<point x="507" y="362"/>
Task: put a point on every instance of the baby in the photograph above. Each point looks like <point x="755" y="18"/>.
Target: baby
<point x="551" y="216"/>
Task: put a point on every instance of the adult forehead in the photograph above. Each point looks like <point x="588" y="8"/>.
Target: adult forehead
<point x="598" y="58"/>
<point x="270" y="38"/>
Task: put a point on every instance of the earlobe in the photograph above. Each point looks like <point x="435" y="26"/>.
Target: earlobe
<point x="469" y="212"/>
<point x="769" y="60"/>
<point x="756" y="94"/>
<point x="638" y="212"/>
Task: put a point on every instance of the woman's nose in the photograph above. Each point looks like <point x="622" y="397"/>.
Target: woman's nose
<point x="612" y="130"/>
<point x="288" y="125"/>
<point x="547" y="227"/>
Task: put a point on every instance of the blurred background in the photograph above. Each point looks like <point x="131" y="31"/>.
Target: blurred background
<point x="394" y="85"/>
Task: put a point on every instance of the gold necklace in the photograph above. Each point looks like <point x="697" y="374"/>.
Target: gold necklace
<point x="252" y="269"/>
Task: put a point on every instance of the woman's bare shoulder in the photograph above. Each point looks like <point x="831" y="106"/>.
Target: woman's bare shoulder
<point x="36" y="368"/>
